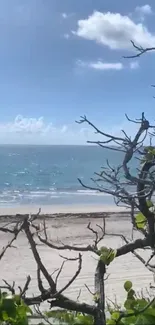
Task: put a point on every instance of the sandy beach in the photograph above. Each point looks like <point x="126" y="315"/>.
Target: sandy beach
<point x="72" y="229"/>
<point x="59" y="209"/>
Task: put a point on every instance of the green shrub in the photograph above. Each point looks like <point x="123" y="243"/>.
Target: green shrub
<point x="136" y="311"/>
<point x="13" y="310"/>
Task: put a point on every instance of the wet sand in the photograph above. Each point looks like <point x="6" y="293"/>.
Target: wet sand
<point x="18" y="262"/>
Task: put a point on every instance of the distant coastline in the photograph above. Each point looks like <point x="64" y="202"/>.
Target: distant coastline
<point x="48" y="212"/>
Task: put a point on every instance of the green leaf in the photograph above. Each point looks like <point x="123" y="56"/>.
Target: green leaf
<point x="107" y="255"/>
<point x="103" y="250"/>
<point x="5" y="316"/>
<point x="115" y="316"/>
<point x="140" y="221"/>
<point x="128" y="286"/>
<point x="96" y="298"/>
<point x="83" y="320"/>
<point x="143" y="320"/>
<point x="150" y="312"/>
<point x="129" y="304"/>
<point x="140" y="304"/>
<point x="111" y="322"/>
<point x="28" y="310"/>
<point x="111" y="255"/>
<point x="131" y="294"/>
<point x="8" y="305"/>
<point x="149" y="203"/>
<point x="21" y="311"/>
<point x="17" y="299"/>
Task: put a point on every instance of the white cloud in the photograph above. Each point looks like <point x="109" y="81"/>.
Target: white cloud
<point x="24" y="130"/>
<point x="134" y="65"/>
<point x="64" y="129"/>
<point x="144" y="10"/>
<point x="66" y="36"/>
<point x="27" y="125"/>
<point x="106" y="66"/>
<point x="64" y="15"/>
<point x="100" y="65"/>
<point x="114" y="31"/>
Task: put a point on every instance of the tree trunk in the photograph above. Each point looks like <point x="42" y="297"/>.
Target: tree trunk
<point x="100" y="319"/>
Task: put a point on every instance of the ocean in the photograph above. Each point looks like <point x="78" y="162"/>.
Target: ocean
<point x="44" y="175"/>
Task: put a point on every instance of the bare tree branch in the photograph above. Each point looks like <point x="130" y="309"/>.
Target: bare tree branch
<point x="84" y="119"/>
<point x="140" y="51"/>
<point x="37" y="257"/>
<point x="8" y="287"/>
<point x="16" y="231"/>
<point x="26" y="287"/>
<point x="88" y="248"/>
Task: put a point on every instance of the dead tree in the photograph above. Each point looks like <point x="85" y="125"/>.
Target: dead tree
<point x="55" y="297"/>
<point x="116" y="181"/>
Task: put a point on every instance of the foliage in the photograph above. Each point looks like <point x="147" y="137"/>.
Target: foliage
<point x="13" y="310"/>
<point x="136" y="311"/>
<point x="141" y="220"/>
<point x="107" y="255"/>
<point x="149" y="153"/>
<point x="73" y="318"/>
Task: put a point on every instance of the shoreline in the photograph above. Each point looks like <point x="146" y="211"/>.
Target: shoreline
<point x="63" y="211"/>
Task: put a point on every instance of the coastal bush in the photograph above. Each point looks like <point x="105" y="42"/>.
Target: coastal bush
<point x="136" y="310"/>
<point x="13" y="310"/>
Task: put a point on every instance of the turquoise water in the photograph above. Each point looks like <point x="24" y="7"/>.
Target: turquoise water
<point x="48" y="174"/>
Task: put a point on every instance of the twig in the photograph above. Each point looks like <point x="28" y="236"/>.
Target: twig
<point x="45" y="318"/>
<point x="84" y="119"/>
<point x="37" y="256"/>
<point x="88" y="248"/>
<point x="9" y="287"/>
<point x="140" y="50"/>
<point x="135" y="313"/>
<point x="26" y="286"/>
<point x="92" y="293"/>
<point x="40" y="284"/>
<point x="72" y="279"/>
<point x="59" y="272"/>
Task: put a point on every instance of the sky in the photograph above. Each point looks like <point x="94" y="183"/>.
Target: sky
<point x="63" y="59"/>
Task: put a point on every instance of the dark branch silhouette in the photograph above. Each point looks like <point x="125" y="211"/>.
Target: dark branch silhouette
<point x="140" y="51"/>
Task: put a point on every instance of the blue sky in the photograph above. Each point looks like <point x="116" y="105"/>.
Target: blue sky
<point x="62" y="59"/>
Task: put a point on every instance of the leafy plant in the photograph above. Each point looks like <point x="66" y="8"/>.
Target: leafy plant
<point x="13" y="310"/>
<point x="137" y="311"/>
<point x="149" y="153"/>
<point x="73" y="318"/>
<point x="107" y="255"/>
<point x="140" y="219"/>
